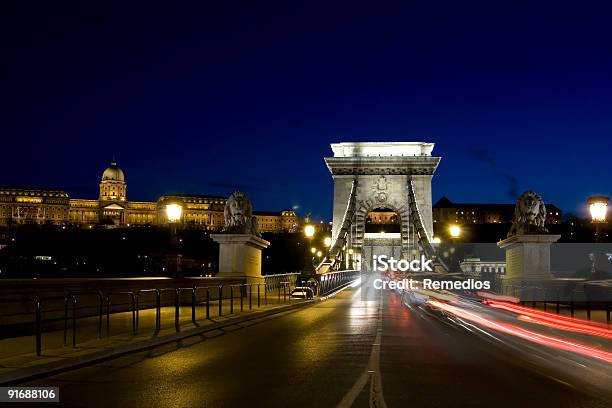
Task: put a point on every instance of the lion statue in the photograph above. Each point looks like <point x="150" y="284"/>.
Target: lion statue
<point x="529" y="215"/>
<point x="238" y="213"/>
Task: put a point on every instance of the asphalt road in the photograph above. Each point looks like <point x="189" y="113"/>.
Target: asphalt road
<point x="341" y="352"/>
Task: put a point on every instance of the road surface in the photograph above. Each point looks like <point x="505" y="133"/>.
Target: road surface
<point x="341" y="352"/>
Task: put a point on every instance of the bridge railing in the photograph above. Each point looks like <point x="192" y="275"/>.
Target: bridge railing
<point x="278" y="280"/>
<point x="554" y="301"/>
<point x="335" y="280"/>
<point x="166" y="304"/>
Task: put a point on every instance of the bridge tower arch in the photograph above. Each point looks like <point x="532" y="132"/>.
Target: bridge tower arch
<point x="371" y="175"/>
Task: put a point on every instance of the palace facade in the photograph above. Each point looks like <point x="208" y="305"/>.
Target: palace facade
<point x="42" y="206"/>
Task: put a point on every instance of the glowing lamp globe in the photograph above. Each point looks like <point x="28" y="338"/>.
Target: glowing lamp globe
<point x="598" y="206"/>
<point x="174" y="212"/>
<point x="455" y="231"/>
<point x="309" y="231"/>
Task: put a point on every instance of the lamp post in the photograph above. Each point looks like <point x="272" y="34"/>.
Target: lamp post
<point x="350" y="258"/>
<point x="309" y="233"/>
<point x="174" y="213"/>
<point x="598" y="207"/>
<point x="455" y="232"/>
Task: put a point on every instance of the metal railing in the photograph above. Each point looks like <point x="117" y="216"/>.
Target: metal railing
<point x="335" y="280"/>
<point x="246" y="295"/>
<point x="577" y="300"/>
<point x="73" y="297"/>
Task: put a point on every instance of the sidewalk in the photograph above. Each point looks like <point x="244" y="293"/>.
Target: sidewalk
<point x="18" y="359"/>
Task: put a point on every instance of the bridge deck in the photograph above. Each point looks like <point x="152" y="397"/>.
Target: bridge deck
<point x="320" y="356"/>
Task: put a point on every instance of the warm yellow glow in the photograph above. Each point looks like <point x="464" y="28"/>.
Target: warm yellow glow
<point x="309" y="231"/>
<point x="327" y="241"/>
<point x="313" y="250"/>
<point x="174" y="212"/>
<point x="598" y="206"/>
<point x="598" y="212"/>
<point x="455" y="231"/>
<point x="319" y="253"/>
<point x="435" y="240"/>
<point x="34" y="200"/>
<point x="351" y="251"/>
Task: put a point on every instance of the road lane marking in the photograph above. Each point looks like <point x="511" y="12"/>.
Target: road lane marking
<point x="371" y="373"/>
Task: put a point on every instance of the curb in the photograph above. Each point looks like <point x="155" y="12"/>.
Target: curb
<point x="33" y="373"/>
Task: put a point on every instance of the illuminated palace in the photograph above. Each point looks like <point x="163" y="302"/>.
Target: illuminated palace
<point x="42" y="206"/>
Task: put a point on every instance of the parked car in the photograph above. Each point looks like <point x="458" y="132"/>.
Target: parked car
<point x="302" y="292"/>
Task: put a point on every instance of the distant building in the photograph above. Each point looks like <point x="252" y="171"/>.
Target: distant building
<point x="382" y="216"/>
<point x="445" y="211"/>
<point x="381" y="221"/>
<point x="475" y="268"/>
<point x="21" y="205"/>
<point x="280" y="221"/>
<point x="43" y="206"/>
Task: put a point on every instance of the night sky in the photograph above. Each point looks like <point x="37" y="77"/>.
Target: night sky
<point x="206" y="98"/>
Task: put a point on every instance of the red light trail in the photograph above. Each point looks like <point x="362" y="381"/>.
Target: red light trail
<point x="554" y="321"/>
<point x="546" y="340"/>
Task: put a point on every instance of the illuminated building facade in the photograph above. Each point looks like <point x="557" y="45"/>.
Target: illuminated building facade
<point x="22" y="205"/>
<point x="42" y="206"/>
<point x="382" y="216"/>
<point x="445" y="211"/>
<point x="282" y="221"/>
<point x="476" y="268"/>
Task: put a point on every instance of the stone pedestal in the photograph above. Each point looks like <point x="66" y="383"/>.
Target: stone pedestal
<point x="528" y="257"/>
<point x="240" y="256"/>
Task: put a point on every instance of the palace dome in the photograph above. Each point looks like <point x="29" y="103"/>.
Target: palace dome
<point x="113" y="173"/>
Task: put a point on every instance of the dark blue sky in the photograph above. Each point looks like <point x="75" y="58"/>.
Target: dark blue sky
<point x="204" y="98"/>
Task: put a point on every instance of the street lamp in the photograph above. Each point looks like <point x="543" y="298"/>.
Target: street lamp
<point x="309" y="231"/>
<point x="455" y="231"/>
<point x="174" y="213"/>
<point x="327" y="241"/>
<point x="598" y="206"/>
<point x="351" y="251"/>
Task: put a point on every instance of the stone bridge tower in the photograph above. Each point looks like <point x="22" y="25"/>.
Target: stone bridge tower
<point x="384" y="173"/>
